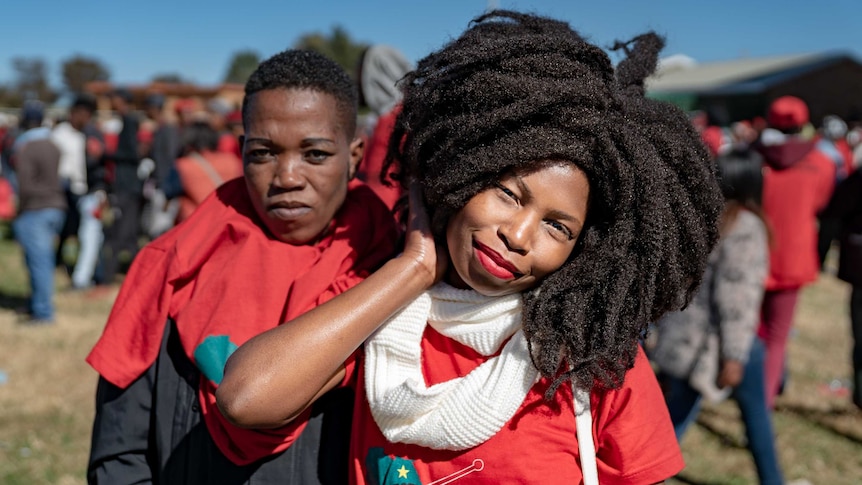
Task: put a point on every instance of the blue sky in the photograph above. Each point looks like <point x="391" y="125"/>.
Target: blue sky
<point x="139" y="39"/>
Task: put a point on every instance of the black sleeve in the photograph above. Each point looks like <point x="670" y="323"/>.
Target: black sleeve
<point x="96" y="172"/>
<point x="120" y="448"/>
<point x="127" y="142"/>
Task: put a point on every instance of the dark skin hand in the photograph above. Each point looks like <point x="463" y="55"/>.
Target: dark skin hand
<point x="730" y="374"/>
<point x="276" y="375"/>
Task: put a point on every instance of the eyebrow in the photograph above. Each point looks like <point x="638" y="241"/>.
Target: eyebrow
<point x="314" y="141"/>
<point x="305" y="141"/>
<point x="556" y="214"/>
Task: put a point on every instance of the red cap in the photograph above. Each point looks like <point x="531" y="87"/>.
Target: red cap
<point x="787" y="113"/>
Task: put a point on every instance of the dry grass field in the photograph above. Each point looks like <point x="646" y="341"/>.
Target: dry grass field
<point x="46" y="395"/>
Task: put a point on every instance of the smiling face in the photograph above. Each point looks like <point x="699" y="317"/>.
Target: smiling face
<point x="298" y="159"/>
<point x="508" y="238"/>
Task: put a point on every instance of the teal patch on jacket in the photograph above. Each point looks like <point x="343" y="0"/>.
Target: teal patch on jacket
<point x="211" y="356"/>
<point x="389" y="470"/>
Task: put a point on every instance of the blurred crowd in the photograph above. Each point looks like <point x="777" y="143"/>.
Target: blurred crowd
<point x="91" y="187"/>
<point x="792" y="189"/>
<point x="105" y="183"/>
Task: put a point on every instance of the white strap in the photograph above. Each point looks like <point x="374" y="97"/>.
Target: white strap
<point x="584" y="430"/>
<point x="208" y="168"/>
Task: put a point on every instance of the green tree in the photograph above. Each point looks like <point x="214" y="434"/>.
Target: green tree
<point x="9" y="97"/>
<point x="242" y="64"/>
<point x="31" y="79"/>
<point x="338" y="46"/>
<point x="79" y="70"/>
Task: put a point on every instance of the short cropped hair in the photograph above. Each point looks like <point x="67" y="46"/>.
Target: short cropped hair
<point x="304" y="69"/>
<point x="86" y="102"/>
<point x="200" y="136"/>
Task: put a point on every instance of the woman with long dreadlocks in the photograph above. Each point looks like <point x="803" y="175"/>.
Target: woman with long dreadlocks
<point x="565" y="212"/>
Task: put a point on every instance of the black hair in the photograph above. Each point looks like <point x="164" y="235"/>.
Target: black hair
<point x="303" y="69"/>
<point x="124" y="94"/>
<point x="517" y="89"/>
<point x="740" y="174"/>
<point x="86" y="102"/>
<point x="200" y="136"/>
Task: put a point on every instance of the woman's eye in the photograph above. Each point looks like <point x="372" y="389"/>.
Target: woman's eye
<point x="258" y="153"/>
<point x="507" y="192"/>
<point x="316" y="155"/>
<point x="561" y="229"/>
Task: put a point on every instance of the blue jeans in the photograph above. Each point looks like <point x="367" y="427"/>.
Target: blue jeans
<point x="90" y="238"/>
<point x="683" y="403"/>
<point x="36" y="230"/>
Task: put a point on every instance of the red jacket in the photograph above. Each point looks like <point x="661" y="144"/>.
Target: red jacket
<point x="798" y="181"/>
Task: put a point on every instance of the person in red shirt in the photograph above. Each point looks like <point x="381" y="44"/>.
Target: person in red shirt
<point x="504" y="339"/>
<point x="203" y="168"/>
<point x="292" y="233"/>
<point x="797" y="184"/>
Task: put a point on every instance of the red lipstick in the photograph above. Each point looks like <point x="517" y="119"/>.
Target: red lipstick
<point x="495" y="264"/>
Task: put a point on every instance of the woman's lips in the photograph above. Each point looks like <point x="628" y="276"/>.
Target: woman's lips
<point x="288" y="213"/>
<point x="495" y="264"/>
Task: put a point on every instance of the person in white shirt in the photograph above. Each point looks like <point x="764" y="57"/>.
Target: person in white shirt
<point x="69" y="136"/>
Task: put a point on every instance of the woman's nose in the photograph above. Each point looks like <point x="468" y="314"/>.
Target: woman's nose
<point x="517" y="231"/>
<point x="288" y="175"/>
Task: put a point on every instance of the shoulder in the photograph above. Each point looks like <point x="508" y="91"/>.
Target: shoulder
<point x="747" y="239"/>
<point x="39" y="147"/>
<point x="640" y="384"/>
<point x="634" y="435"/>
<point x="225" y="158"/>
<point x="748" y="223"/>
<point x="821" y="159"/>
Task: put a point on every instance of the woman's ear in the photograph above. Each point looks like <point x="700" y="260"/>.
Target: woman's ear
<point x="357" y="149"/>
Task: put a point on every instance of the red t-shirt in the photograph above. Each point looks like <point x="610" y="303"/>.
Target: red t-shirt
<point x="634" y="438"/>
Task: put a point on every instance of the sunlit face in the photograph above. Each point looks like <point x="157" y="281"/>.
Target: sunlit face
<point x="508" y="238"/>
<point x="298" y="159"/>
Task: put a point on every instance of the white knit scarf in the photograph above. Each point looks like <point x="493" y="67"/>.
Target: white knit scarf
<point x="460" y="413"/>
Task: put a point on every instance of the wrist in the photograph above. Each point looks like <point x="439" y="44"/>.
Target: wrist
<point x="411" y="273"/>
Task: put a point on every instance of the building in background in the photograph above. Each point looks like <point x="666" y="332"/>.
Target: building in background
<point x="200" y="96"/>
<point x="828" y="82"/>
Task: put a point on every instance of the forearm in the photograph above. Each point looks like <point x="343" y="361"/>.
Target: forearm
<point x="273" y="377"/>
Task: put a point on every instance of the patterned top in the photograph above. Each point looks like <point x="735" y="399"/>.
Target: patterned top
<point x="721" y="320"/>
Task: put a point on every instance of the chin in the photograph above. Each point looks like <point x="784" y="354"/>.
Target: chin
<point x="296" y="238"/>
<point x="495" y="290"/>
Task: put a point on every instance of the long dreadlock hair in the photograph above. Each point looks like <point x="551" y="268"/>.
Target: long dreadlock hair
<point x="516" y="89"/>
